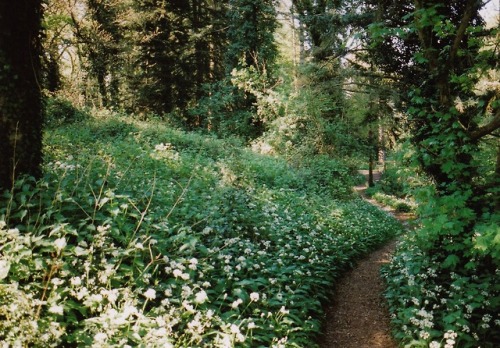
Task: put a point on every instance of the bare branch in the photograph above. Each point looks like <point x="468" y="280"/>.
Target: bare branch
<point x="487" y="128"/>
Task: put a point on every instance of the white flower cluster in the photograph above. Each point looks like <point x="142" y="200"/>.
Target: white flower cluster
<point x="460" y="300"/>
<point x="165" y="151"/>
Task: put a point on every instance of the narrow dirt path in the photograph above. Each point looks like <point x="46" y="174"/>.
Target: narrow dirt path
<point x="358" y="316"/>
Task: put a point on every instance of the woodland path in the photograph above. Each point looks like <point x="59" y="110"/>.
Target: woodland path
<point x="358" y="317"/>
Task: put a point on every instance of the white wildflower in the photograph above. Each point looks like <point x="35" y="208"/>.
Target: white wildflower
<point x="187" y="306"/>
<point x="103" y="229"/>
<point x="79" y="251"/>
<point x="56" y="309"/>
<point x="283" y="310"/>
<point x="76" y="281"/>
<point x="4" y="269"/>
<point x="60" y="243"/>
<point x="236" y="303"/>
<point x="100" y="337"/>
<point x="57" y="281"/>
<point x="424" y="335"/>
<point x="240" y="337"/>
<point x="129" y="310"/>
<point x="254" y="296"/>
<point x="235" y="329"/>
<point x="150" y="294"/>
<point x="201" y="297"/>
<point x="13" y="233"/>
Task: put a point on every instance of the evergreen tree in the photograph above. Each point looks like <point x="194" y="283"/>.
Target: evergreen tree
<point x="181" y="46"/>
<point x="103" y="44"/>
<point x="250" y="59"/>
<point x="20" y="105"/>
<point x="251" y="35"/>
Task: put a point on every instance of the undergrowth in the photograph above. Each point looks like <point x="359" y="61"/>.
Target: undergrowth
<point x="437" y="307"/>
<point x="442" y="282"/>
<point x="140" y="235"/>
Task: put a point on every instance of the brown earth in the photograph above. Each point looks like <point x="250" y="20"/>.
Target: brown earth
<point x="357" y="316"/>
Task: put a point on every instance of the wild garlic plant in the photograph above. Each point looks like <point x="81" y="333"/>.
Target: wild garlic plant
<point x="151" y="243"/>
<point x="437" y="308"/>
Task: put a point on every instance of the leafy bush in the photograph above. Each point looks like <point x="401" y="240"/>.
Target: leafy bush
<point x="398" y="204"/>
<point x="403" y="207"/>
<point x="58" y="111"/>
<point x="442" y="281"/>
<point x="324" y="173"/>
<point x="434" y="307"/>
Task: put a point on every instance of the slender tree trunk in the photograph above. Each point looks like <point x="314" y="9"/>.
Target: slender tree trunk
<point x="497" y="179"/>
<point x="302" y="44"/>
<point x="371" y="160"/>
<point x="52" y="72"/>
<point x="20" y="97"/>
<point x="381" y="146"/>
<point x="103" y="91"/>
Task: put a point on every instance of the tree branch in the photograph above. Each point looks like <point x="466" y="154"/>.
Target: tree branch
<point x="461" y="29"/>
<point x="487" y="128"/>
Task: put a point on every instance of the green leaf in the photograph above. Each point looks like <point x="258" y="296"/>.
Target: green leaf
<point x="451" y="261"/>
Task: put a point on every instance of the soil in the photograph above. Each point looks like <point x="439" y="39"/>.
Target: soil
<point x="357" y="316"/>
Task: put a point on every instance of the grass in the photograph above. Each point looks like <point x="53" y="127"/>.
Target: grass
<point x="141" y="235"/>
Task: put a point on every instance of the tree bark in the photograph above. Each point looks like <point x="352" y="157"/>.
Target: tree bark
<point x="20" y="96"/>
<point x="371" y="159"/>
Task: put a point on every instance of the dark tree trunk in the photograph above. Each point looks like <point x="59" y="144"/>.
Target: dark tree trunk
<point x="51" y="72"/>
<point x="20" y="97"/>
<point x="103" y="91"/>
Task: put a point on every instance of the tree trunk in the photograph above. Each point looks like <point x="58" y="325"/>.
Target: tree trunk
<point x="20" y="97"/>
<point x="381" y="146"/>
<point x="52" y="72"/>
<point x="496" y="179"/>
<point x="371" y="160"/>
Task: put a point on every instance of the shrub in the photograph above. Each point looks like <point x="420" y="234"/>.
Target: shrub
<point x="59" y="111"/>
<point x="435" y="307"/>
<point x="403" y="207"/>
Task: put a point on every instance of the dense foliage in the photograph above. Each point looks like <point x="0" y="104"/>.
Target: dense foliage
<point x="445" y="54"/>
<point x="139" y="234"/>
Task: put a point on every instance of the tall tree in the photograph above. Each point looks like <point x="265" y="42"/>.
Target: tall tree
<point x="99" y="37"/>
<point x="20" y="104"/>
<point x="251" y="34"/>
<point x="443" y="50"/>
<point x="180" y="50"/>
<point x="251" y="56"/>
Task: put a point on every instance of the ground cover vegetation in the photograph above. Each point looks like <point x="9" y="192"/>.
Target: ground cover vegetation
<point x="198" y="158"/>
<point x="141" y="235"/>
